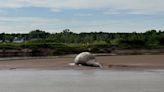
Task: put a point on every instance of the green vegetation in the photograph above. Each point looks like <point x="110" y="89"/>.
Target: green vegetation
<point x="67" y="42"/>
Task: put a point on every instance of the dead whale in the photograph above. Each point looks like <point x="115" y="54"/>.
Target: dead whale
<point x="86" y="59"/>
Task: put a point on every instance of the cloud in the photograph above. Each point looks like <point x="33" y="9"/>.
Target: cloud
<point x="85" y="22"/>
<point x="26" y="24"/>
<point x="83" y="14"/>
<point x="136" y="6"/>
<point x="56" y="10"/>
<point x="111" y="11"/>
<point x="27" y="20"/>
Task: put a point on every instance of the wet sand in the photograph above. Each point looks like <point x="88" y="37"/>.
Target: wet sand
<point x="108" y="62"/>
<point x="81" y="81"/>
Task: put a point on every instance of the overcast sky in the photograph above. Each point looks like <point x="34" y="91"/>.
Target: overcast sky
<point x="22" y="16"/>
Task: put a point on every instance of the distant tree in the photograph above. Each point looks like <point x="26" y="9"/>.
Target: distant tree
<point x="38" y="34"/>
<point x="66" y="31"/>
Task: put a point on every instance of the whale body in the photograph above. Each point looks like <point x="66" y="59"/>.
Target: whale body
<point x="87" y="59"/>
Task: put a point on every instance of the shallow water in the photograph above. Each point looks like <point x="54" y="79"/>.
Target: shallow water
<point x="81" y="81"/>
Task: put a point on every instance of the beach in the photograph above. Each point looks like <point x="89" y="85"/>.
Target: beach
<point x="62" y="62"/>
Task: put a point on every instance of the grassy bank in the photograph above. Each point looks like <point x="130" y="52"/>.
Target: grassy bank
<point x="46" y="48"/>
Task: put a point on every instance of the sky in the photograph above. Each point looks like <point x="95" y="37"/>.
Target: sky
<point x="23" y="16"/>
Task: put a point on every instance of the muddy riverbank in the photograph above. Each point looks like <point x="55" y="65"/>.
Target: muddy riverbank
<point x="62" y="62"/>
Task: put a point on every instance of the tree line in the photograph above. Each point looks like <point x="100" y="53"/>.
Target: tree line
<point x="148" y="39"/>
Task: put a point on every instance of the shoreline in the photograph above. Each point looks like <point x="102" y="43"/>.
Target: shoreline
<point x="109" y="62"/>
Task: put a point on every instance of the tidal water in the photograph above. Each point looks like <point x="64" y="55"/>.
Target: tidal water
<point x="81" y="81"/>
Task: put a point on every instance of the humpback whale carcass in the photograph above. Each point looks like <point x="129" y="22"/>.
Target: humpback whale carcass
<point x="87" y="59"/>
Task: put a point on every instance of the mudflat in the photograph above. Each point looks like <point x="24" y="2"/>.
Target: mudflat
<point x="108" y="62"/>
